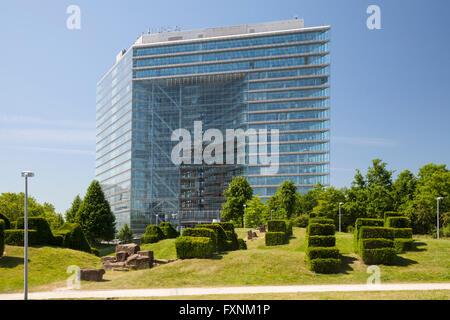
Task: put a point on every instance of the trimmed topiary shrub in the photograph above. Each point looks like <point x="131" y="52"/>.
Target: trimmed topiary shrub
<point x="226" y="226"/>
<point x="321" y="241"/>
<point x="385" y="256"/>
<point x="194" y="247"/>
<point x="389" y="214"/>
<point x="402" y="233"/>
<point x="233" y="238"/>
<point x="154" y="230"/>
<point x="242" y="244"/>
<point x="364" y="222"/>
<point x="40" y="224"/>
<point x="321" y="221"/>
<point x="322" y="253"/>
<point x="168" y="230"/>
<point x="220" y="234"/>
<point x="275" y="238"/>
<point x="397" y="222"/>
<point x="289" y="225"/>
<point x="95" y="251"/>
<point x="376" y="243"/>
<point x="6" y="221"/>
<point x="15" y="237"/>
<point x="201" y="232"/>
<point x="2" y="237"/>
<point x="402" y="245"/>
<point x="324" y="265"/>
<point x="151" y="238"/>
<point x="72" y="237"/>
<point x="316" y="229"/>
<point x="376" y="232"/>
<point x="276" y="226"/>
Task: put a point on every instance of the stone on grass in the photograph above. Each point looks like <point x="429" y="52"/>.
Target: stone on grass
<point x="92" y="274"/>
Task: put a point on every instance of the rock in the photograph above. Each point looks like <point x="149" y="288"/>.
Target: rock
<point x="162" y="261"/>
<point x="111" y="265"/>
<point x="131" y="248"/>
<point x="92" y="274"/>
<point x="108" y="259"/>
<point x="122" y="256"/>
<point x="140" y="263"/>
<point x="148" y="254"/>
<point x="262" y="228"/>
<point x="255" y="235"/>
<point x="250" y="234"/>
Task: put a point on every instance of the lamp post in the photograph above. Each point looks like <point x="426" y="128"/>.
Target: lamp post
<point x="437" y="219"/>
<point x="271" y="213"/>
<point x="244" y="215"/>
<point x="26" y="175"/>
<point x="340" y="204"/>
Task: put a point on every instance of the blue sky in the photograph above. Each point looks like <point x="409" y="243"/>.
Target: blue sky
<point x="389" y="87"/>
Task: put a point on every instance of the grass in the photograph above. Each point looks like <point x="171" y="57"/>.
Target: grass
<point x="366" y="295"/>
<point x="259" y="265"/>
<point x="46" y="265"/>
<point x="280" y="265"/>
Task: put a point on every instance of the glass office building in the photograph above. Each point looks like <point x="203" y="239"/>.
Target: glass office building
<point x="263" y="76"/>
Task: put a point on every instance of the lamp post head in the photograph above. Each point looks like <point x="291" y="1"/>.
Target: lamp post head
<point x="341" y="203"/>
<point x="27" y="174"/>
<point x="440" y="198"/>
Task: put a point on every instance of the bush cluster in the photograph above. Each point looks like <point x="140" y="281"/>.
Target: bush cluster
<point x="194" y="247"/>
<point x="322" y="256"/>
<point x="153" y="233"/>
<point x="403" y="232"/>
<point x="221" y="236"/>
<point x="375" y="244"/>
<point x="202" y="232"/>
<point x="364" y="222"/>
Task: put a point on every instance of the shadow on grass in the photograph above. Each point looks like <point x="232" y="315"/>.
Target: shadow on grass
<point x="11" y="262"/>
<point x="404" y="262"/>
<point x="346" y="261"/>
<point x="416" y="247"/>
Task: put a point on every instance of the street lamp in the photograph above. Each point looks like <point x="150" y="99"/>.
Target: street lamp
<point x="26" y="175"/>
<point x="437" y="219"/>
<point x="244" y="214"/>
<point x="340" y="204"/>
<point x="271" y="213"/>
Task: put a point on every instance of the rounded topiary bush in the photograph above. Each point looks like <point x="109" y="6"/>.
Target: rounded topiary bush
<point x="168" y="230"/>
<point x="194" y="247"/>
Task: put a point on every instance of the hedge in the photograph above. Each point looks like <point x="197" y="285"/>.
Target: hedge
<point x="289" y="224"/>
<point x="40" y="224"/>
<point x="150" y="238"/>
<point x="389" y="214"/>
<point x="242" y="244"/>
<point x="376" y="232"/>
<point x="322" y="253"/>
<point x="321" y="241"/>
<point x="232" y="236"/>
<point x="72" y="237"/>
<point x="194" y="247"/>
<point x="398" y="222"/>
<point x="321" y="221"/>
<point x="403" y="233"/>
<point x="276" y="226"/>
<point x="376" y="243"/>
<point x="2" y="236"/>
<point x="15" y="237"/>
<point x="6" y="221"/>
<point x="275" y="238"/>
<point x="364" y="222"/>
<point x="201" y="232"/>
<point x="402" y="245"/>
<point x="95" y="251"/>
<point x="324" y="265"/>
<point x="226" y="226"/>
<point x="154" y="230"/>
<point x="316" y="229"/>
<point x="168" y="230"/>
<point x="220" y="234"/>
<point x="385" y="256"/>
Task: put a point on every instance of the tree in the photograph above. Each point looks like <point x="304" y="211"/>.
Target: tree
<point x="95" y="216"/>
<point x="287" y="197"/>
<point x="254" y="212"/>
<point x="125" y="234"/>
<point x="71" y="213"/>
<point x="237" y="194"/>
<point x="328" y="203"/>
<point x="403" y="190"/>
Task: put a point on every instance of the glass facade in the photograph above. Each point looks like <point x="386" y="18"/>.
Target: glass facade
<point x="273" y="80"/>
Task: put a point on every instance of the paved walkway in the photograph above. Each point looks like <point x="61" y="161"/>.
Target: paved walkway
<point x="126" y="293"/>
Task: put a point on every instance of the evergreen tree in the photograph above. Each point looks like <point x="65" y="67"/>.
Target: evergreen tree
<point x="125" y="234"/>
<point x="254" y="212"/>
<point x="71" y="213"/>
<point x="95" y="215"/>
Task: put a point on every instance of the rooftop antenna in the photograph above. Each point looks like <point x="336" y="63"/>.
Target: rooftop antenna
<point x="295" y="17"/>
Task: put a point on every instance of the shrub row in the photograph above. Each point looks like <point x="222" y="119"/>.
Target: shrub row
<point x="278" y="232"/>
<point x="321" y="221"/>
<point x="385" y="256"/>
<point x="402" y="245"/>
<point x="275" y="238"/>
<point x="15" y="237"/>
<point x="324" y="265"/>
<point x="316" y="229"/>
<point x="194" y="247"/>
<point x="364" y="222"/>
<point x="321" y="241"/>
<point x="389" y="214"/>
<point x="401" y="225"/>
<point x="402" y="233"/>
<point x="71" y="235"/>
<point x="322" y="253"/>
<point x="202" y="232"/>
<point x="276" y="226"/>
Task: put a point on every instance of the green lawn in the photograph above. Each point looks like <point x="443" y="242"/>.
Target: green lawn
<point x="280" y="265"/>
<point x="47" y="265"/>
<point x="259" y="265"/>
